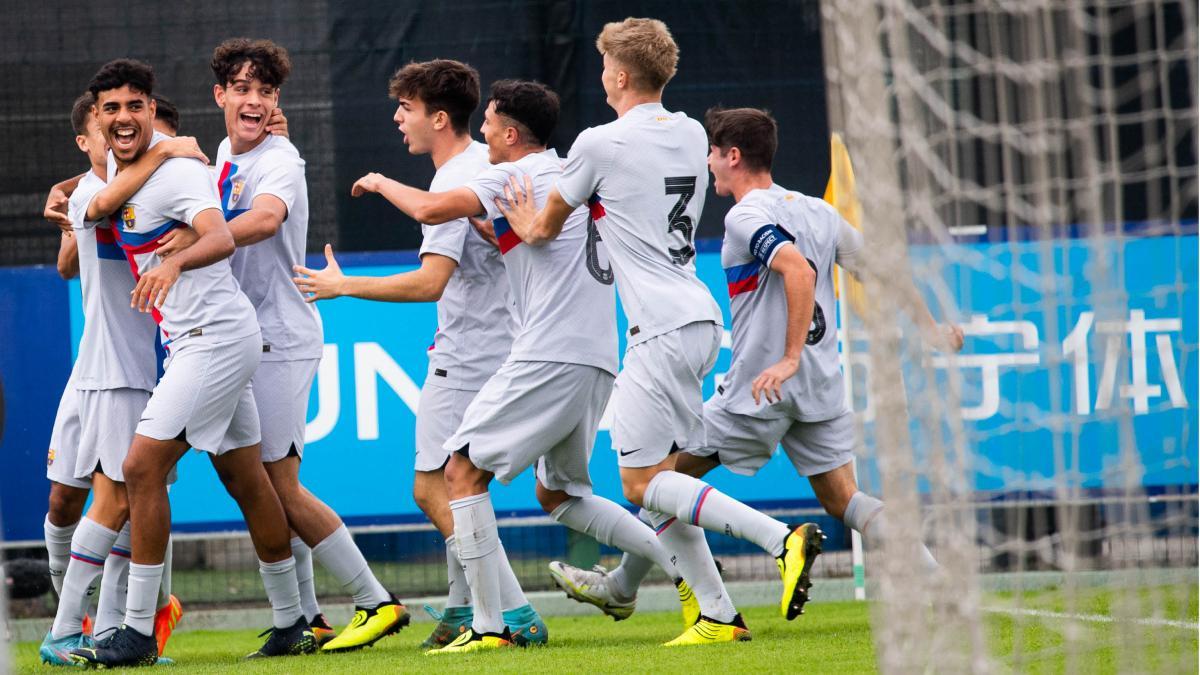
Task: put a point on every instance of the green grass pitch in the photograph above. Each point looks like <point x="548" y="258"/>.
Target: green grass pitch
<point x="833" y="637"/>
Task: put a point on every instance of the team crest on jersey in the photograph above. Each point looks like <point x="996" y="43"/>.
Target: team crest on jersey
<point x="127" y="217"/>
<point x="50" y="457"/>
<point x="236" y="191"/>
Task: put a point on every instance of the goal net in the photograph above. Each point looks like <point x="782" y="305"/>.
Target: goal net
<point x="1032" y="165"/>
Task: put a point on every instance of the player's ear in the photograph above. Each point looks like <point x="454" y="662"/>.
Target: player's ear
<point x="219" y="95"/>
<point x="153" y="107"/>
<point x="82" y="142"/>
<point x="440" y="120"/>
<point x="735" y="156"/>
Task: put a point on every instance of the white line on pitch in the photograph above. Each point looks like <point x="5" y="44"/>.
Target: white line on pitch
<point x="1095" y="618"/>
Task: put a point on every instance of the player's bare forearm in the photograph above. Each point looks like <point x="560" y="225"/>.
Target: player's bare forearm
<point x="67" y="187"/>
<point x="407" y="287"/>
<point x="259" y="223"/>
<point x="799" y="288"/>
<point x="68" y="256"/>
<point x="58" y="202"/>
<point x="131" y="178"/>
<point x="214" y="243"/>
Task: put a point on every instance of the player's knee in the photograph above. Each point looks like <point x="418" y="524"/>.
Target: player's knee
<point x="138" y="474"/>
<point x="634" y="491"/>
<point x="65" y="505"/>
<point x="550" y="499"/>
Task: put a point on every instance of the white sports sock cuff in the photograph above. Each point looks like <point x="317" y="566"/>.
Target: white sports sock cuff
<point x="277" y="567"/>
<point x="861" y="508"/>
<point x="561" y="510"/>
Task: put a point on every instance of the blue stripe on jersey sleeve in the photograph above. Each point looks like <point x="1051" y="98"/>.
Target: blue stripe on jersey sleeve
<point x="765" y="240"/>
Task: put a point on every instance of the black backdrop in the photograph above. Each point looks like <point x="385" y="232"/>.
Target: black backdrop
<point x="764" y="53"/>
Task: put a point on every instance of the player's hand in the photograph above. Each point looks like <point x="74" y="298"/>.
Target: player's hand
<point x="175" y="241"/>
<point x="517" y="205"/>
<point x="277" y="123"/>
<point x="56" y="209"/>
<point x="485" y="230"/>
<point x="368" y="183"/>
<point x="770" y="381"/>
<point x="182" y="146"/>
<point x="151" y="290"/>
<point x="320" y="284"/>
<point x="947" y="337"/>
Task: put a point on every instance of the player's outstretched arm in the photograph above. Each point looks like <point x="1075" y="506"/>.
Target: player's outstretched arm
<point x="68" y="256"/>
<point x="424" y="284"/>
<point x="799" y="287"/>
<point x="130" y="179"/>
<point x="430" y="208"/>
<point x="214" y="243"/>
<point x="532" y="226"/>
<point x="57" y="200"/>
<point x="946" y="337"/>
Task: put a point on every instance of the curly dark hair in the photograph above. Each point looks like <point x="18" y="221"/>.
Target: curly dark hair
<point x="532" y="105"/>
<point x="116" y="74"/>
<point x="269" y="63"/>
<point x="441" y="84"/>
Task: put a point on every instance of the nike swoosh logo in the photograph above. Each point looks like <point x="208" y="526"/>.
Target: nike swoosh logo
<point x="625" y="454"/>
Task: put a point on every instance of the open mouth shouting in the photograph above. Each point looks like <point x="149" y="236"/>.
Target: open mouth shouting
<point x="251" y="122"/>
<point x="124" y="138"/>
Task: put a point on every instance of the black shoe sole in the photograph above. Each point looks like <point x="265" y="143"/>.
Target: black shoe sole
<point x="812" y="549"/>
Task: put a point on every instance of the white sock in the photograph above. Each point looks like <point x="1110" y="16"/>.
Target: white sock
<point x="624" y="581"/>
<point x="695" y="561"/>
<point x="115" y="585"/>
<point x="340" y="555"/>
<point x="58" y="546"/>
<point x="89" y="548"/>
<point x="696" y="502"/>
<point x="611" y="525"/>
<point x="164" y="588"/>
<point x="478" y="541"/>
<point x="279" y="578"/>
<point x="459" y="593"/>
<point x="143" y="596"/>
<point x="304" y="579"/>
<point x="511" y="595"/>
<point x="865" y="514"/>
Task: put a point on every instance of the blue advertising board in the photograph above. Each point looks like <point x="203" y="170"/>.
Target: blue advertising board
<point x="1060" y="353"/>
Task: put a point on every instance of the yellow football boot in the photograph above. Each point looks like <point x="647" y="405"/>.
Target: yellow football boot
<point x="708" y="631"/>
<point x="370" y="626"/>
<point x="687" y="604"/>
<point x="800" y="550"/>
<point x="471" y="641"/>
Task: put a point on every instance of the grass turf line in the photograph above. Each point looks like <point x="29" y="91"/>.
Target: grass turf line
<point x="833" y="637"/>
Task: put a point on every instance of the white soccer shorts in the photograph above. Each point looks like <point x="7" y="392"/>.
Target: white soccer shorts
<point x="439" y="415"/>
<point x="744" y="443"/>
<point x="281" y="391"/>
<point x="108" y="418"/>
<point x="657" y="400"/>
<point x="64" y="442"/>
<point x="205" y="394"/>
<point x="536" y="412"/>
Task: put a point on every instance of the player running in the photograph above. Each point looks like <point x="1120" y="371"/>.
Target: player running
<point x="109" y="385"/>
<point x="265" y="202"/>
<point x="785" y="385"/>
<point x="544" y="405"/>
<point x="203" y="399"/>
<point x="464" y="274"/>
<point x="644" y="177"/>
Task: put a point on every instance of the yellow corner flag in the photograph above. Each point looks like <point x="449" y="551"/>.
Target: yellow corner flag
<point x="841" y="194"/>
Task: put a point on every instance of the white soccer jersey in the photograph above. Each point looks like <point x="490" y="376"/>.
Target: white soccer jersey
<point x="205" y="300"/>
<point x="644" y="176"/>
<point x="291" y="327"/>
<point x="562" y="291"/>
<point x="755" y="230"/>
<point x="117" y="348"/>
<point x="475" y="322"/>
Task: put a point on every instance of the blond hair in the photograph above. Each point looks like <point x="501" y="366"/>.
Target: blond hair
<point x="644" y="47"/>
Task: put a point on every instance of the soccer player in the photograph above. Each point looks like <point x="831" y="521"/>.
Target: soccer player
<point x="108" y="388"/>
<point x="464" y="274"/>
<point x="265" y="201"/>
<point x="644" y="175"/>
<point x="203" y="399"/>
<point x="785" y="385"/>
<point x="544" y="405"/>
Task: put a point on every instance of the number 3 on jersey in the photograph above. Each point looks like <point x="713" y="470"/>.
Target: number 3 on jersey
<point x="677" y="221"/>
